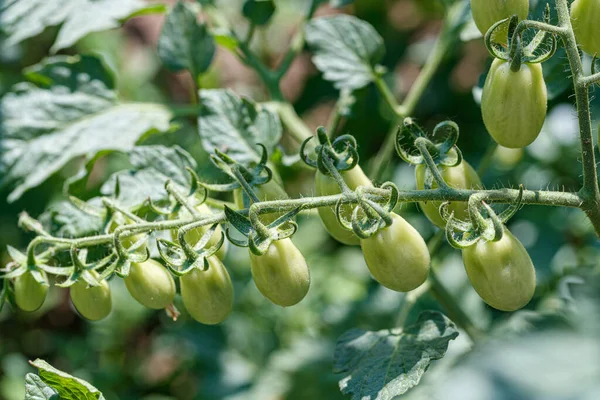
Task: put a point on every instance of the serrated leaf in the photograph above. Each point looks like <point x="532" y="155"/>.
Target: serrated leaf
<point x="22" y="19"/>
<point x="65" y="219"/>
<point x="346" y="49"/>
<point x="185" y="43"/>
<point x="68" y="109"/>
<point x="152" y="167"/>
<point x="36" y="389"/>
<point x="384" y="364"/>
<point x="67" y="386"/>
<point x="259" y="12"/>
<point x="234" y="125"/>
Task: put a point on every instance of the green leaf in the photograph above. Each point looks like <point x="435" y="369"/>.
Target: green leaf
<point x="65" y="219"/>
<point x="384" y="364"/>
<point x="68" y="109"/>
<point x="234" y="125"/>
<point x="22" y="19"/>
<point x="346" y="50"/>
<point x="36" y="389"/>
<point x="68" y="387"/>
<point x="152" y="167"/>
<point x="184" y="43"/>
<point x="259" y="12"/>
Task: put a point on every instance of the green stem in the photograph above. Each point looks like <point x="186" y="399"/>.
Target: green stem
<point x="292" y="122"/>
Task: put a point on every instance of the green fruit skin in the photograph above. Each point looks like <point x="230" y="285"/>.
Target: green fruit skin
<point x="514" y="104"/>
<point x="151" y="284"/>
<point x="397" y="256"/>
<point x="501" y="272"/>
<point x="463" y="176"/>
<point x="327" y="186"/>
<point x="92" y="302"/>
<point x="487" y="12"/>
<point x="208" y="295"/>
<point x="268" y="192"/>
<point x="281" y="274"/>
<point x="194" y="236"/>
<point x="29" y="293"/>
<point x="585" y="17"/>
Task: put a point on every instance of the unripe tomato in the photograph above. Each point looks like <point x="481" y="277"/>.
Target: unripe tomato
<point x="585" y="16"/>
<point x="29" y="293"/>
<point x="208" y="295"/>
<point x="270" y="191"/>
<point x="487" y="12"/>
<point x="194" y="236"/>
<point x="397" y="256"/>
<point x="327" y="186"/>
<point x="151" y="284"/>
<point x="92" y="302"/>
<point x="514" y="104"/>
<point x="281" y="274"/>
<point x="123" y="220"/>
<point x="501" y="272"/>
<point x="463" y="176"/>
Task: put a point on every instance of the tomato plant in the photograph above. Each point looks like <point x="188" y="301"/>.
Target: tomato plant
<point x="219" y="188"/>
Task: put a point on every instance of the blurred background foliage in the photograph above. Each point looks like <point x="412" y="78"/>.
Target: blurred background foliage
<point x="263" y="351"/>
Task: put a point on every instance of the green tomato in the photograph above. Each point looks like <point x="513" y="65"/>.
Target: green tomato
<point x="208" y="295"/>
<point x="129" y="241"/>
<point x="327" y="186"/>
<point x="194" y="236"/>
<point x="268" y="192"/>
<point x="501" y="272"/>
<point x="463" y="176"/>
<point x="487" y="12"/>
<point x="151" y="284"/>
<point x="281" y="274"/>
<point x="397" y="256"/>
<point x="514" y="104"/>
<point x="92" y="302"/>
<point x="585" y="16"/>
<point x="29" y="293"/>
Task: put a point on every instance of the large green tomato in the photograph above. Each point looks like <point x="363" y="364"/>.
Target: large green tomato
<point x="92" y="302"/>
<point x="397" y="256"/>
<point x="327" y="186"/>
<point x="208" y="295"/>
<point x="29" y="294"/>
<point x="270" y="191"/>
<point x="501" y="272"/>
<point x="281" y="274"/>
<point x="463" y="176"/>
<point x="151" y="284"/>
<point x="585" y="17"/>
<point x="194" y="236"/>
<point x="487" y="12"/>
<point x="514" y="104"/>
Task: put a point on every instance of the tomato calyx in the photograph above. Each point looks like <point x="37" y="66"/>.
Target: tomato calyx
<point x="537" y="50"/>
<point x="342" y="152"/>
<point x="484" y="223"/>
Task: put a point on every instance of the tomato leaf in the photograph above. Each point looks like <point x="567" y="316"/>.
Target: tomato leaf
<point x="185" y="43"/>
<point x="68" y="109"/>
<point x="235" y="125"/>
<point x="346" y="50"/>
<point x="36" y="389"/>
<point x="66" y="386"/>
<point x="384" y="364"/>
<point x="152" y="167"/>
<point x="66" y="219"/>
<point x="259" y="12"/>
<point x="22" y="19"/>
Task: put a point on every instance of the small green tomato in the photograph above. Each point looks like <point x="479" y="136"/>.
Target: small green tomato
<point x="501" y="272"/>
<point x="397" y="256"/>
<point x="585" y="17"/>
<point x="92" y="302"/>
<point x="194" y="236"/>
<point x="463" y="176"/>
<point x="268" y="192"/>
<point x="487" y="12"/>
<point x="208" y="295"/>
<point x="29" y="293"/>
<point x="151" y="284"/>
<point x="327" y="186"/>
<point x="281" y="274"/>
